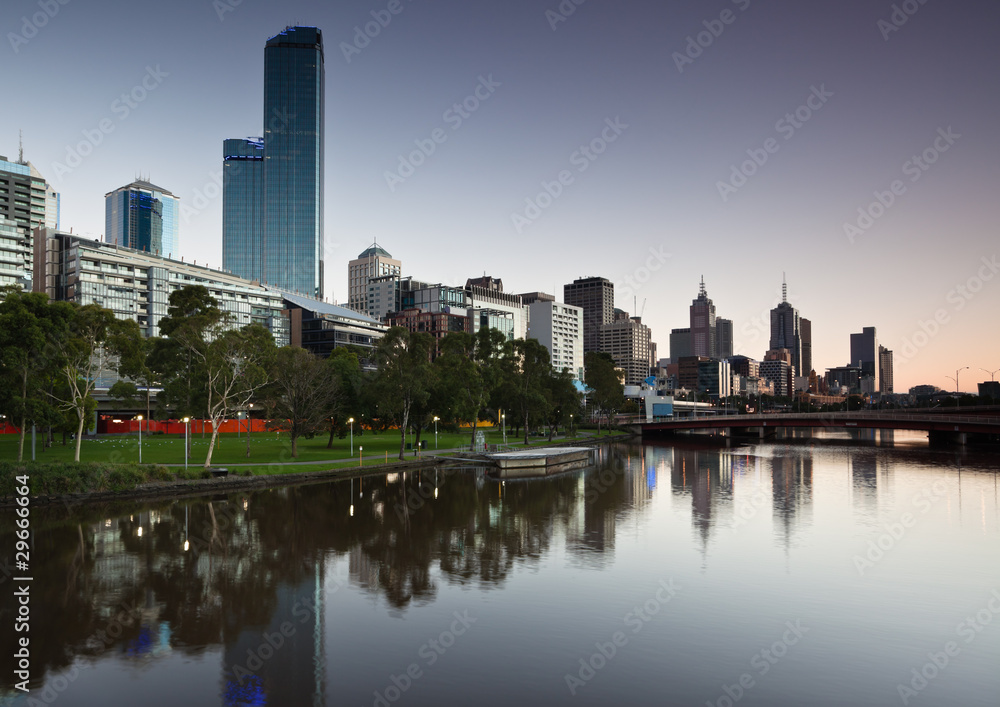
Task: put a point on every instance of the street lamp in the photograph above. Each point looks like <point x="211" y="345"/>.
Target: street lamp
<point x="958" y="391"/>
<point x="503" y="423"/>
<point x="571" y="425"/>
<point x="361" y="458"/>
<point x="436" y="418"/>
<point x="186" y="421"/>
<point x="352" y="435"/>
<point x="139" y="417"/>
<point x="992" y="373"/>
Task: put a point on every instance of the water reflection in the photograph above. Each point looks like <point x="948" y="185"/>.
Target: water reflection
<point x="244" y="580"/>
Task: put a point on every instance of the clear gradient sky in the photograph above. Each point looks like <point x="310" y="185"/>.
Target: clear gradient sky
<point x="651" y="211"/>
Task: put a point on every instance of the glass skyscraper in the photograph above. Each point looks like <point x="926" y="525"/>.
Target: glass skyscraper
<point x="143" y="216"/>
<point x="285" y="195"/>
<point x="243" y="208"/>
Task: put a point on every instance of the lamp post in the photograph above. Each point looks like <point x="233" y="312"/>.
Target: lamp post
<point x="186" y="421"/>
<point x="361" y="458"/>
<point x="503" y="423"/>
<point x="992" y="373"/>
<point x="571" y="425"/>
<point x="351" y="420"/>
<point x="249" y="427"/>
<point x="958" y="391"/>
<point x="436" y="418"/>
<point x="139" y="417"/>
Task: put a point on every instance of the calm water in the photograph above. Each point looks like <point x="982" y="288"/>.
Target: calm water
<point x="806" y="573"/>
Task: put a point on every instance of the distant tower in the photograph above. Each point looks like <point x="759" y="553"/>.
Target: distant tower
<point x="373" y="262"/>
<point x="703" y="325"/>
<point x="596" y="297"/>
<point x="786" y="330"/>
<point x="144" y="217"/>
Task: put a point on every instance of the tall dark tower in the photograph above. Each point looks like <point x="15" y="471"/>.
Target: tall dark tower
<point x="596" y="296"/>
<point x="703" y="325"/>
<point x="786" y="330"/>
<point x="294" y="79"/>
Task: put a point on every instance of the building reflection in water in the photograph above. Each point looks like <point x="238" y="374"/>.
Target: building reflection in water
<point x="791" y="494"/>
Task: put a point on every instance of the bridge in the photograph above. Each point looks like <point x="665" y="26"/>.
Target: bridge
<point x="947" y="427"/>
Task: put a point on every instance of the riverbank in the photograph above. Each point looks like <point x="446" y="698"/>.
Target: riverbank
<point x="70" y="484"/>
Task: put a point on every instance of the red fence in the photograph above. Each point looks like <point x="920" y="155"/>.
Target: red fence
<point x="107" y="424"/>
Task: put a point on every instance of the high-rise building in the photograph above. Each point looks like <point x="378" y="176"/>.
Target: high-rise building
<point x="28" y="202"/>
<point x="294" y="107"/>
<point x="596" y="297"/>
<point x="143" y="216"/>
<point x="777" y="368"/>
<point x="703" y="325"/>
<point x="486" y="294"/>
<point x="286" y="192"/>
<point x="627" y="340"/>
<point x="806" y="345"/>
<point x="864" y="354"/>
<point x="680" y="344"/>
<point x="15" y="255"/>
<point x="559" y="328"/>
<point x="884" y="370"/>
<point x="371" y="263"/>
<point x="243" y="207"/>
<point x="723" y="338"/>
<point x="786" y="330"/>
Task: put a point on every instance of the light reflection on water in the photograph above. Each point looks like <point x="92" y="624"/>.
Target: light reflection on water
<point x="676" y="573"/>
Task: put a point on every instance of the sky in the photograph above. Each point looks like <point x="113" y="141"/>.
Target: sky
<point x="851" y="147"/>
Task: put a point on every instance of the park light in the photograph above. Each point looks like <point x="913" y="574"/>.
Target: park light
<point x="139" y="417"/>
<point x="351" y="420"/>
<point x="186" y="421"/>
<point x="436" y="418"/>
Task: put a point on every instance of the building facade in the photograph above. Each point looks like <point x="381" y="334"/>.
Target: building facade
<point x="294" y="119"/>
<point x="596" y="297"/>
<point x="627" y="340"/>
<point x="29" y="202"/>
<point x="559" y="328"/>
<point x="243" y="208"/>
<point x="321" y="327"/>
<point x="144" y="217"/>
<point x="704" y="340"/>
<point x="884" y="370"/>
<point x="15" y="255"/>
<point x="486" y="293"/>
<point x="373" y="262"/>
<point x="864" y="354"/>
<point x="137" y="285"/>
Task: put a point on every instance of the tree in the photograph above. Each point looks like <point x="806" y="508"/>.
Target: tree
<point x="528" y="369"/>
<point x="563" y="399"/>
<point x="345" y="364"/>
<point x="29" y="356"/>
<point x="304" y="393"/>
<point x="607" y="390"/>
<point x="402" y="378"/>
<point x="469" y="369"/>
<point x="236" y="366"/>
<point x="90" y="348"/>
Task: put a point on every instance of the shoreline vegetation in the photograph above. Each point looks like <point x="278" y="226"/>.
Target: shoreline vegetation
<point x="71" y="483"/>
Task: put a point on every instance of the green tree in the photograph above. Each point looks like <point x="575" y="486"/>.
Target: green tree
<point x="527" y="371"/>
<point x="563" y="400"/>
<point x="345" y="363"/>
<point x="470" y="371"/>
<point x="607" y="392"/>
<point x="304" y="392"/>
<point x="402" y="378"/>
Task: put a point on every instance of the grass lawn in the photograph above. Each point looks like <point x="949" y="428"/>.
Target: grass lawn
<point x="265" y="449"/>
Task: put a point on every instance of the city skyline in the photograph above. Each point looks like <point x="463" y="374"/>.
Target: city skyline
<point x="644" y="144"/>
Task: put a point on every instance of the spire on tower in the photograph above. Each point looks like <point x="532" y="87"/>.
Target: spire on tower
<point x="784" y="288"/>
<point x="701" y="290"/>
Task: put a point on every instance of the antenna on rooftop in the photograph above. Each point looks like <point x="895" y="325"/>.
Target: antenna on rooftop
<point x="701" y="290"/>
<point x="784" y="288"/>
<point x="20" y="146"/>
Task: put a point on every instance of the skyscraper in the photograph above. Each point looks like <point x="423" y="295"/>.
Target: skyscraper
<point x="28" y="202"/>
<point x="243" y="208"/>
<point x="373" y="262"/>
<point x="143" y="216"/>
<point x="596" y="297"/>
<point x="806" y="341"/>
<point x="786" y="330"/>
<point x="294" y="80"/>
<point x="864" y="354"/>
<point x="284" y="194"/>
<point x="704" y="340"/>
<point x="885" y="370"/>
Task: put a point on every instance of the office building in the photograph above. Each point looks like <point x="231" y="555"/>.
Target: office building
<point x="28" y="202"/>
<point x="627" y="340"/>
<point x="703" y="325"/>
<point x="144" y="217"/>
<point x="723" y="338"/>
<point x="714" y="379"/>
<point x="286" y="191"/>
<point x="321" y="327"/>
<point x="806" y="346"/>
<point x="680" y="344"/>
<point x="438" y="324"/>
<point x="243" y="207"/>
<point x="884" y="370"/>
<point x="596" y="297"/>
<point x="864" y="354"/>
<point x="15" y="255"/>
<point x="371" y="263"/>
<point x="786" y="331"/>
<point x="843" y="379"/>
<point x="136" y="284"/>
<point x="486" y="293"/>
<point x="777" y="367"/>
<point x="559" y="328"/>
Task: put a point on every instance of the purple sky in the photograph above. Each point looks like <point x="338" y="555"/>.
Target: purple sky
<point x="819" y="107"/>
